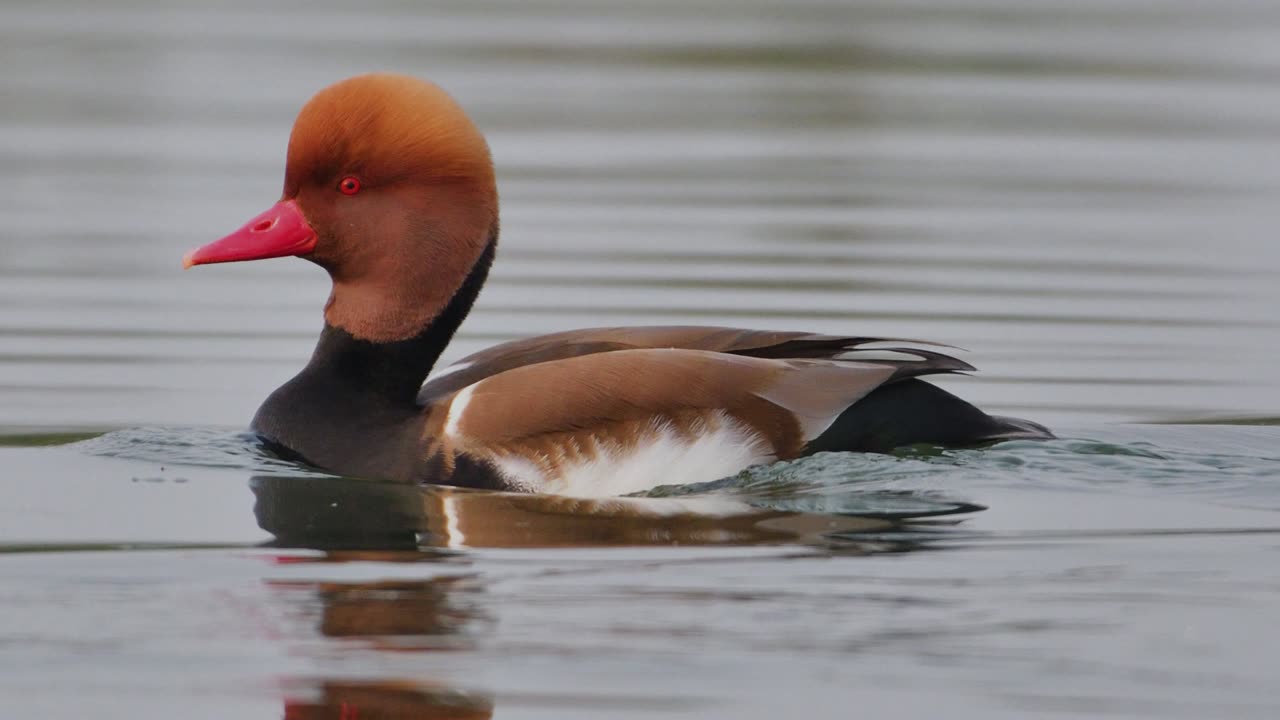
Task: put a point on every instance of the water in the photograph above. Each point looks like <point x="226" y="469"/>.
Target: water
<point x="1081" y="195"/>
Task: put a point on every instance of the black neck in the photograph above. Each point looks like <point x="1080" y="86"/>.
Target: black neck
<point x="394" y="371"/>
<point x="353" y="409"/>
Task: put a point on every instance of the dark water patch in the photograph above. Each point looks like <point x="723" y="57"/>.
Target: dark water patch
<point x="112" y="547"/>
<point x="1227" y="421"/>
<point x="135" y="358"/>
<point x="148" y="333"/>
<point x="44" y="439"/>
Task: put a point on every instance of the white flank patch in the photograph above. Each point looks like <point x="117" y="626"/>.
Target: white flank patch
<point x="456" y="407"/>
<point x="665" y="458"/>
<point x="521" y="474"/>
<point x="449" y="370"/>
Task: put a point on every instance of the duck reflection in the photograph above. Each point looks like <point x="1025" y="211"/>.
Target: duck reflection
<point x="334" y="700"/>
<point x="332" y="513"/>
<point x="419" y="615"/>
<point x="358" y="521"/>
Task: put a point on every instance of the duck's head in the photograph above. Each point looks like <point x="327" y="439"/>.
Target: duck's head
<point x="388" y="186"/>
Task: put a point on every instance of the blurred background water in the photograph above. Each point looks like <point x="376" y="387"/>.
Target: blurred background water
<point x="1081" y="194"/>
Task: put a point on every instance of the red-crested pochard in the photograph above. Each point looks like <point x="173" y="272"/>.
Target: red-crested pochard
<point x="390" y="188"/>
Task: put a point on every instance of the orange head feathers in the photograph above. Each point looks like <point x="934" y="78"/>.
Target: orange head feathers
<point x="386" y="129"/>
<point x="390" y="187"/>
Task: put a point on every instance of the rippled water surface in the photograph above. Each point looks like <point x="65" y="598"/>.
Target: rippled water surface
<point x="1083" y="195"/>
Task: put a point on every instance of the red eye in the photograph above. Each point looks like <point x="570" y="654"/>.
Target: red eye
<point x="349" y="186"/>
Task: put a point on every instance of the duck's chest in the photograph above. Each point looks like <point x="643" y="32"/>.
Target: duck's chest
<point x="343" y="432"/>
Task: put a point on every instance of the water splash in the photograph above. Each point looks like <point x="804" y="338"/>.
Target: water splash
<point x="195" y="446"/>
<point x="1231" y="465"/>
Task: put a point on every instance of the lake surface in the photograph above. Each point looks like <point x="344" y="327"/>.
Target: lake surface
<point x="1082" y="195"/>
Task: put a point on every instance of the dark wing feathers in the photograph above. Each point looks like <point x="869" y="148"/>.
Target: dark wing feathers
<point x="748" y="343"/>
<point x="926" y="362"/>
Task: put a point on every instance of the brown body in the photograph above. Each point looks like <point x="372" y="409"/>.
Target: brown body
<point x="390" y="188"/>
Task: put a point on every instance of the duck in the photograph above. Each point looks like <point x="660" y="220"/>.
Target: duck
<point x="390" y="187"/>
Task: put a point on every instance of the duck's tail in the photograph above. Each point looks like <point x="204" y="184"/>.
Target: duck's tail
<point x="914" y="411"/>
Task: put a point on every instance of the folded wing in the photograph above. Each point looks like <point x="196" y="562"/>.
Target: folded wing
<point x="909" y="361"/>
<point x="621" y="421"/>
